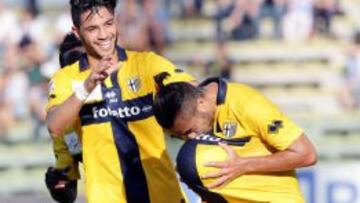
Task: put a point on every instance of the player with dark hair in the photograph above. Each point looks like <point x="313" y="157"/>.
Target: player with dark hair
<point x="262" y="145"/>
<point x="107" y="97"/>
<point x="71" y="49"/>
<point x="61" y="180"/>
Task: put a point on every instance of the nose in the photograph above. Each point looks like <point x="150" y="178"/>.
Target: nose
<point x="102" y="34"/>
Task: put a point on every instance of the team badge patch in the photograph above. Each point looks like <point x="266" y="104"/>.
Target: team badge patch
<point x="134" y="84"/>
<point x="230" y="129"/>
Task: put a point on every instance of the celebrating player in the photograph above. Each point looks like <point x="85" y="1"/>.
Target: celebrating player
<point x="107" y="98"/>
<point x="262" y="145"/>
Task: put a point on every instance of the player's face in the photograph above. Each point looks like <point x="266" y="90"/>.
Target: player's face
<point x="198" y="122"/>
<point x="98" y="32"/>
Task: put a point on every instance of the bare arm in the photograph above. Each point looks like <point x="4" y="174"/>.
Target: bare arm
<point x="299" y="154"/>
<point x="61" y="117"/>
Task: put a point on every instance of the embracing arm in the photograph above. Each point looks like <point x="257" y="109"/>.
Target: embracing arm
<point x="299" y="154"/>
<point x="291" y="148"/>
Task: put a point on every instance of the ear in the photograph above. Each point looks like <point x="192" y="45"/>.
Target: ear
<point x="76" y="31"/>
<point x="200" y="102"/>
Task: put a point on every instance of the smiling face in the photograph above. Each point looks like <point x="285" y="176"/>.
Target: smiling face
<point x="98" y="32"/>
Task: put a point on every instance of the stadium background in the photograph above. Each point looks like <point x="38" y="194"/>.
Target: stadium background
<point x="302" y="54"/>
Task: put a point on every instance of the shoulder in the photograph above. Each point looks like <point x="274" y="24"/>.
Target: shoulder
<point x="66" y="72"/>
<point x="241" y="92"/>
<point x="143" y="55"/>
<point x="241" y="97"/>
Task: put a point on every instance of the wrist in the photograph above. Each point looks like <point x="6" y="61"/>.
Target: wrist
<point x="245" y="165"/>
<point x="81" y="93"/>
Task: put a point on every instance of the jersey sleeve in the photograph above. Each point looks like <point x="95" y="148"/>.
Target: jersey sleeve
<point x="64" y="159"/>
<point x="158" y="64"/>
<point x="272" y="126"/>
<point x="59" y="90"/>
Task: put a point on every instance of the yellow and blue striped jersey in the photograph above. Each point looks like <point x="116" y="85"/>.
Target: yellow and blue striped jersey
<point x="252" y="126"/>
<point x="124" y="152"/>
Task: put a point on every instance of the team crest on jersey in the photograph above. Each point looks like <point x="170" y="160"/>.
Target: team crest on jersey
<point x="134" y="84"/>
<point x="229" y="129"/>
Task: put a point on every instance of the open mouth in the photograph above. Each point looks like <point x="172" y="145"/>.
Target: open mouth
<point x="107" y="44"/>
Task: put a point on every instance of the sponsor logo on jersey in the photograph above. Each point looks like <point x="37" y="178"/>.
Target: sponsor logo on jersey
<point x="123" y="112"/>
<point x="111" y="96"/>
<point x="128" y="110"/>
<point x="214" y="140"/>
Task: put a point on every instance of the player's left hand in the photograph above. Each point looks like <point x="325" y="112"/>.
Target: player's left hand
<point x="230" y="169"/>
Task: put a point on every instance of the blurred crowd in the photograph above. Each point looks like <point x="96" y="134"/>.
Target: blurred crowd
<point x="292" y="20"/>
<point x="29" y="40"/>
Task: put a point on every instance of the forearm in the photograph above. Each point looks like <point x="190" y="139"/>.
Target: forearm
<point x="279" y="161"/>
<point x="61" y="117"/>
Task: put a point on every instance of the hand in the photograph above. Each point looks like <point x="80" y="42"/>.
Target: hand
<point x="98" y="74"/>
<point x="230" y="169"/>
<point x="60" y="187"/>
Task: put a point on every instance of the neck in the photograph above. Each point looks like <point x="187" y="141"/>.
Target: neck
<point x="211" y="91"/>
<point x="113" y="59"/>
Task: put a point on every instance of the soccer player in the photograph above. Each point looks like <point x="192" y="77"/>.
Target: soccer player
<point x="107" y="98"/>
<point x="262" y="145"/>
<point x="61" y="180"/>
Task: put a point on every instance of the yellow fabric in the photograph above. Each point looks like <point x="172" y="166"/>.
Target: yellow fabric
<point x="64" y="159"/>
<point x="103" y="174"/>
<point x="252" y="114"/>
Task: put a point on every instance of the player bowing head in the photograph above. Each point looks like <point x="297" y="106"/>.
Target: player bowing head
<point x="250" y="150"/>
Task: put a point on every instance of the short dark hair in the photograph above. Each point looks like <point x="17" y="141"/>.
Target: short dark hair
<point x="70" y="50"/>
<point x="172" y="99"/>
<point x="80" y="6"/>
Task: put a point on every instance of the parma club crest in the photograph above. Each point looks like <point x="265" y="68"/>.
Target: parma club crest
<point x="134" y="84"/>
<point x="229" y="129"/>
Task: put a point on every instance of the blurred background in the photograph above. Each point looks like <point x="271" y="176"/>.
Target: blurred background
<point x="303" y="54"/>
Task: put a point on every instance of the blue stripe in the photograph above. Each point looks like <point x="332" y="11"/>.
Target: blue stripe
<point x="117" y="112"/>
<point x="115" y="83"/>
<point x="84" y="63"/>
<point x="87" y="115"/>
<point x="133" y="173"/>
<point x="130" y="110"/>
<point x="128" y="151"/>
<point x="214" y="140"/>
<point x="186" y="166"/>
